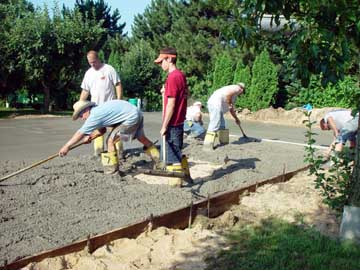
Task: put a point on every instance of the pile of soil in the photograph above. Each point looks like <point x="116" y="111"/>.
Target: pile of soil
<point x="294" y="117"/>
<point x="166" y="248"/>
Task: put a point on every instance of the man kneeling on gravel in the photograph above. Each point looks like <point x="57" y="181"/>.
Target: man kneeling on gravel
<point x="125" y="122"/>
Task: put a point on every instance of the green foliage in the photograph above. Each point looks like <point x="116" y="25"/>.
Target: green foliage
<point x="327" y="34"/>
<point x="345" y="93"/>
<point x="276" y="244"/>
<point x="223" y="73"/>
<point x="199" y="90"/>
<point x="242" y="74"/>
<point x="50" y="49"/>
<point x="333" y="184"/>
<point x="263" y="83"/>
<point x="140" y="76"/>
<point x="115" y="60"/>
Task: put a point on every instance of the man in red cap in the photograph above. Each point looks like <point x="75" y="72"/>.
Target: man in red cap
<point x="174" y="110"/>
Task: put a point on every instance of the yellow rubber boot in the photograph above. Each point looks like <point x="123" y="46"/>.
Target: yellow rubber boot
<point x="110" y="162"/>
<point x="175" y="181"/>
<point x="186" y="169"/>
<point x="209" y="140"/>
<point x="119" y="149"/>
<point x="98" y="145"/>
<point x="224" y="136"/>
<point x="153" y="152"/>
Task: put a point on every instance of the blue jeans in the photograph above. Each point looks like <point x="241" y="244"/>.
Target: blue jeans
<point x="174" y="144"/>
<point x="217" y="120"/>
<point x="193" y="128"/>
<point x="349" y="130"/>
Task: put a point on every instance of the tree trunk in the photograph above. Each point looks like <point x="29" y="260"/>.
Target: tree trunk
<point x="354" y="199"/>
<point x="46" y="90"/>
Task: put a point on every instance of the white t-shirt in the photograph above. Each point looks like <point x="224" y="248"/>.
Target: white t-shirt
<point x="340" y="117"/>
<point x="101" y="83"/>
<point x="218" y="98"/>
<point x="192" y="112"/>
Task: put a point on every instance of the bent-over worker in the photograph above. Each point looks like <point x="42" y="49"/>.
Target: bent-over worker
<point x="344" y="127"/>
<point x="193" y="124"/>
<point x="125" y="122"/>
<point x="219" y="103"/>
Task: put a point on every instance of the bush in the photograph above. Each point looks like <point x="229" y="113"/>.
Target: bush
<point x="242" y="74"/>
<point x="264" y="82"/>
<point x="223" y="73"/>
<point x="345" y="93"/>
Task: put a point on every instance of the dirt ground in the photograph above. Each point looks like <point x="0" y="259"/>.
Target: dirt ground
<point x="67" y="199"/>
<point x="166" y="248"/>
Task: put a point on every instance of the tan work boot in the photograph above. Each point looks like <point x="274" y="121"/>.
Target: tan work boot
<point x="98" y="145"/>
<point x="186" y="169"/>
<point x="224" y="136"/>
<point x="119" y="149"/>
<point x="209" y="140"/>
<point x="175" y="181"/>
<point x="153" y="153"/>
<point x="110" y="162"/>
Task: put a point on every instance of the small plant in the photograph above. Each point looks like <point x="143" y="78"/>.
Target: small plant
<point x="333" y="183"/>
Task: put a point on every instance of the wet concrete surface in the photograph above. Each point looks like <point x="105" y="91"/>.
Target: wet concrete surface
<point x="66" y="199"/>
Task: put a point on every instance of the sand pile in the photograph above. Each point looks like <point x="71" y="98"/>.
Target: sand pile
<point x="294" y="117"/>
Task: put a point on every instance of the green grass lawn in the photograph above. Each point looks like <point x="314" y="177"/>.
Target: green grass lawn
<point x="5" y="112"/>
<point x="277" y="245"/>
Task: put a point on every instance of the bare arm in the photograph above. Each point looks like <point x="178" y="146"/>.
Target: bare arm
<point x="168" y="114"/>
<point x="84" y="94"/>
<point x="331" y="124"/>
<point x="228" y="99"/>
<point x="119" y="90"/>
<point x="74" y="139"/>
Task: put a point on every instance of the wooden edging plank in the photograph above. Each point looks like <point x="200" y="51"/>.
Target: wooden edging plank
<point x="178" y="219"/>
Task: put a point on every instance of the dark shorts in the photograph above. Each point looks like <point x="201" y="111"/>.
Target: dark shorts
<point x="174" y="144"/>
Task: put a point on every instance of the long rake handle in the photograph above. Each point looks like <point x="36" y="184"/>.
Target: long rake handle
<point x="36" y="164"/>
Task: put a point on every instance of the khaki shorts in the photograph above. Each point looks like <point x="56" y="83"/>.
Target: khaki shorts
<point x="131" y="132"/>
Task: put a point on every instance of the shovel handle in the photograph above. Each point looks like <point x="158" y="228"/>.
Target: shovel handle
<point x="242" y="131"/>
<point x="36" y="164"/>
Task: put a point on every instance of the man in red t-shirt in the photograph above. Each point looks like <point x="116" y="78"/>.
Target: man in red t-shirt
<point x="175" y="94"/>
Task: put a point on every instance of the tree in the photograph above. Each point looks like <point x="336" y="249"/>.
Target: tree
<point x="101" y="12"/>
<point x="264" y="83"/>
<point x="11" y="77"/>
<point x="327" y="42"/>
<point x="223" y="71"/>
<point x="140" y="76"/>
<point x="243" y="74"/>
<point x="51" y="48"/>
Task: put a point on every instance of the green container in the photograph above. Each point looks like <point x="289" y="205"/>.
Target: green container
<point x="133" y="101"/>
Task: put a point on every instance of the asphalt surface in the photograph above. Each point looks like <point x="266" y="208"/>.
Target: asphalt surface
<point x="30" y="140"/>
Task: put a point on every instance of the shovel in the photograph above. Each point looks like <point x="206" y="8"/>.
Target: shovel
<point x="36" y="164"/>
<point x="242" y="131"/>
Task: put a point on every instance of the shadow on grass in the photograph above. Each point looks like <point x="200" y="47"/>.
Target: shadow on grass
<point x="279" y="245"/>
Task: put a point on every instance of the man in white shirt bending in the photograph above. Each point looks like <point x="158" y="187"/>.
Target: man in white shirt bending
<point x="344" y="128"/>
<point x="219" y="103"/>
